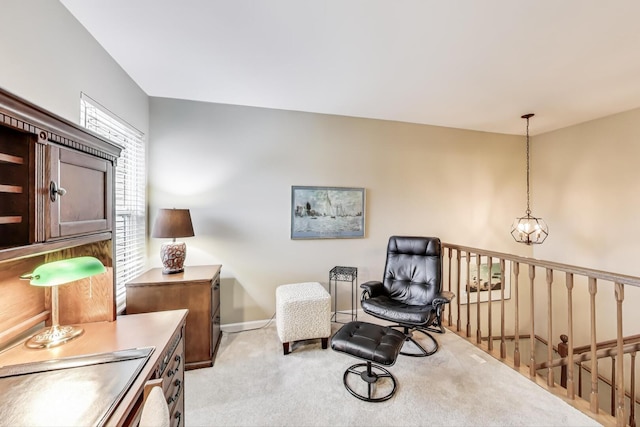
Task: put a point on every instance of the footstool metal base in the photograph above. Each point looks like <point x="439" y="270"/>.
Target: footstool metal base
<point x="370" y="377"/>
<point x="372" y="343"/>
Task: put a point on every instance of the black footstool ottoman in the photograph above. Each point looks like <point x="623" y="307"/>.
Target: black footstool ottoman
<point x="373" y="343"/>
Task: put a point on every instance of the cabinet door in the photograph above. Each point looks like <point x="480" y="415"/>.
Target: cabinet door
<point x="84" y="205"/>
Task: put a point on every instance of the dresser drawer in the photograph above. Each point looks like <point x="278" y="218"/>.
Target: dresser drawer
<point x="170" y="370"/>
<point x="177" y="416"/>
<point x="173" y="378"/>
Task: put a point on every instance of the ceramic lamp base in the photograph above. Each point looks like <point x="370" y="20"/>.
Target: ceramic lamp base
<point x="173" y="255"/>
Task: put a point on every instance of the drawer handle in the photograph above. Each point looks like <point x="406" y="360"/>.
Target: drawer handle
<point x="54" y="191"/>
<point x="175" y="396"/>
<point x="172" y="372"/>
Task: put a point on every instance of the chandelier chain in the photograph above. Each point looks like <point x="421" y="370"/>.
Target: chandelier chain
<point x="528" y="207"/>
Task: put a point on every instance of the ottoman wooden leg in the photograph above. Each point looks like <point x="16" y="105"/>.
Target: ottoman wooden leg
<point x="325" y="341"/>
<point x="285" y="348"/>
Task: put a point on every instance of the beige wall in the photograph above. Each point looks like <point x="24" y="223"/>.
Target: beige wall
<point x="585" y="184"/>
<point x="48" y="58"/>
<point x="234" y="167"/>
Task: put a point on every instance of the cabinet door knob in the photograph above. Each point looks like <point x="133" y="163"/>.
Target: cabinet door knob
<point x="54" y="191"/>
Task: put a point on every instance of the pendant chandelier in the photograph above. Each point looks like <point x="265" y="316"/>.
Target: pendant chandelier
<point x="529" y="229"/>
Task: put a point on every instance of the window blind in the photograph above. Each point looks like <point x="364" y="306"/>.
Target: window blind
<point x="130" y="187"/>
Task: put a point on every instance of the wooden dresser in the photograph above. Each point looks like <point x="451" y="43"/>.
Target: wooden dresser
<point x="112" y="400"/>
<point x="196" y="289"/>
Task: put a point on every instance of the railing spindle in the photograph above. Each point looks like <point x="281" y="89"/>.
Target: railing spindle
<point x="580" y="379"/>
<point x="478" y="329"/>
<point x="468" y="291"/>
<point x="458" y="323"/>
<point x="632" y="393"/>
<point x="593" y="288"/>
<point x="516" y="350"/>
<point x="571" y="365"/>
<point x="550" y="379"/>
<point x="450" y="321"/>
<point x="612" y="394"/>
<point x="619" y="291"/>
<point x="503" y="344"/>
<point x="489" y="304"/>
<point x="532" y="336"/>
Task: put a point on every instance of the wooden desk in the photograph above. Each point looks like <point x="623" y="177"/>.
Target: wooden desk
<point x="162" y="330"/>
<point x="196" y="289"/>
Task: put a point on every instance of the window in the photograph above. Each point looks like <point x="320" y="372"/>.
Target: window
<point x="130" y="187"/>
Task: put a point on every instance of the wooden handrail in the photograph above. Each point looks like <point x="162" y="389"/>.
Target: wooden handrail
<point x="583" y="271"/>
<point x="601" y="344"/>
<point x="585" y="357"/>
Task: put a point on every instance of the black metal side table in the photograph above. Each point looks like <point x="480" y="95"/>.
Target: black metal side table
<point x="344" y="274"/>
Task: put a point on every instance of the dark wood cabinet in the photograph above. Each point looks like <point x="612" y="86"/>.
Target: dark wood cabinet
<point x="41" y="152"/>
<point x="80" y="192"/>
<point x="56" y="181"/>
<point x="196" y="289"/>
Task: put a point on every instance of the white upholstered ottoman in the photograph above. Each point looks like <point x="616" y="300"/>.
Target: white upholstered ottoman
<point x="303" y="311"/>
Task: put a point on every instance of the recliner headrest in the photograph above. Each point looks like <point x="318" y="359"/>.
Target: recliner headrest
<point x="429" y="246"/>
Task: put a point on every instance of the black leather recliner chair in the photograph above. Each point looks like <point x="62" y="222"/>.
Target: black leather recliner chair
<point x="411" y="292"/>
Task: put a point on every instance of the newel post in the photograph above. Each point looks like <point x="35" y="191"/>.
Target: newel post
<point x="563" y="351"/>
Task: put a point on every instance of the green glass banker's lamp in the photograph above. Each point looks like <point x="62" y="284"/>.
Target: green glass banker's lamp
<point x="54" y="274"/>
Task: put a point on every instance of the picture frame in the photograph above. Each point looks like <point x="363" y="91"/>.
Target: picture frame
<point x="327" y="212"/>
<point x="486" y="293"/>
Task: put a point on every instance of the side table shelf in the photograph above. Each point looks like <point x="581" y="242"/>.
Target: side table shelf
<point x="344" y="274"/>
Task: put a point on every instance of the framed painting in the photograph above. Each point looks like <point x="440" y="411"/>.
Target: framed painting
<point x="486" y="283"/>
<point x="327" y="212"/>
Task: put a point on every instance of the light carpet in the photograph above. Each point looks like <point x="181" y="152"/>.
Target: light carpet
<point x="253" y="384"/>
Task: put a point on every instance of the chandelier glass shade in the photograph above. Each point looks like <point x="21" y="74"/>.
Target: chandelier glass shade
<point x="529" y="229"/>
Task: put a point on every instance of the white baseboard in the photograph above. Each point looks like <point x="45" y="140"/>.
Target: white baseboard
<point x="245" y="326"/>
<point x="254" y="324"/>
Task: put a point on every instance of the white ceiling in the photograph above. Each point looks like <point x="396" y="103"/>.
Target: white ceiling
<point x="472" y="64"/>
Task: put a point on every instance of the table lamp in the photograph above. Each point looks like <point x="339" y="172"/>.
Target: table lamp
<point x="172" y="223"/>
<point x="54" y="274"/>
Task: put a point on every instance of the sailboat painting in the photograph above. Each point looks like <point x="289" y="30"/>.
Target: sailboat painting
<point x="327" y="212"/>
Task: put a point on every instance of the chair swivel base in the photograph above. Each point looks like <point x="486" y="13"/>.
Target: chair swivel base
<point x="370" y="377"/>
<point x="420" y="350"/>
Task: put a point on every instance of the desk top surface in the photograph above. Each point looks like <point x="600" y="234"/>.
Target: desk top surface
<point x="127" y="332"/>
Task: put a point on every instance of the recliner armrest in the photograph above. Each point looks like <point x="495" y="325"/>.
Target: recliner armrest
<point x="443" y="297"/>
<point x="373" y="288"/>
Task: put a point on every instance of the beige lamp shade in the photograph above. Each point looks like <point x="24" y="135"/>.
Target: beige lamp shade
<point x="172" y="223"/>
